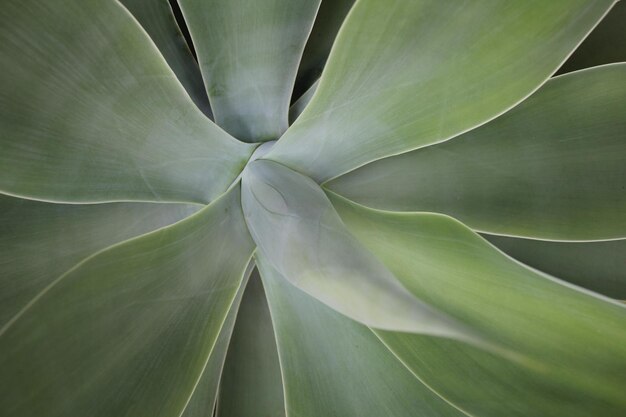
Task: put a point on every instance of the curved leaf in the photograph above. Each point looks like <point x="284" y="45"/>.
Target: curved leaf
<point x="249" y="52"/>
<point x="570" y="342"/>
<point x="129" y="330"/>
<point x="251" y="383"/>
<point x="204" y="397"/>
<point x="598" y="266"/>
<point x="300" y="104"/>
<point x="157" y="18"/>
<point x="398" y="78"/>
<point x="604" y="45"/>
<point x="40" y="241"/>
<point x="334" y="366"/>
<point x="90" y="111"/>
<point x="299" y="233"/>
<point x="330" y="16"/>
<point x="552" y="168"/>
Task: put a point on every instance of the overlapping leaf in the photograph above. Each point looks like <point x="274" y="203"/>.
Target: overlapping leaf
<point x="299" y="233"/>
<point x="128" y="331"/>
<point x="405" y="74"/>
<point x="334" y="366"/>
<point x="157" y="18"/>
<point x="203" y="399"/>
<point x="251" y="383"/>
<point x="552" y="168"/>
<point x="90" y="111"/>
<point x="598" y="266"/>
<point x="40" y="241"/>
<point x="571" y="343"/>
<point x="249" y="52"/>
<point x="604" y="45"/>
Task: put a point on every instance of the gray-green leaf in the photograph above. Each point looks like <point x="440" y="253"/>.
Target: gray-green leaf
<point x="552" y="168"/>
<point x="405" y="74"/>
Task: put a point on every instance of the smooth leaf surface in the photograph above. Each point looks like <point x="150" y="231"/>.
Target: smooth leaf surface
<point x="129" y="330"/>
<point x="334" y="366"/>
<point x="552" y="168"/>
<point x="90" y="111"/>
<point x="205" y="394"/>
<point x="300" y="104"/>
<point x="299" y="233"/>
<point x="569" y="340"/>
<point x="604" y="45"/>
<point x="399" y="78"/>
<point x="157" y="18"/>
<point x="330" y="16"/>
<point x="487" y="385"/>
<point x="41" y="241"/>
<point x="598" y="266"/>
<point x="251" y="383"/>
<point x="249" y="52"/>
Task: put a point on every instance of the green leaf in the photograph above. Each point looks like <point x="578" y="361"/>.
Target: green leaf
<point x="300" y="104"/>
<point x="251" y="383"/>
<point x="157" y="18"/>
<point x="405" y="74"/>
<point x="129" y="330"/>
<point x="40" y="241"/>
<point x="333" y="366"/>
<point x="91" y="112"/>
<point x="598" y="266"/>
<point x="204" y="397"/>
<point x="604" y="45"/>
<point x="552" y="168"/>
<point x="299" y="233"/>
<point x="249" y="52"/>
<point x="330" y="16"/>
<point x="571" y="344"/>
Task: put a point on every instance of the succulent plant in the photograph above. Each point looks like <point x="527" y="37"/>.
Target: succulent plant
<point x="312" y="208"/>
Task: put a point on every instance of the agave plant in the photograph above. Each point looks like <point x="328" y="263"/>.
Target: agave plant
<point x="312" y="208"/>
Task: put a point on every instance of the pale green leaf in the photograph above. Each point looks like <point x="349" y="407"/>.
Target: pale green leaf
<point x="90" y="111"/>
<point x="598" y="266"/>
<point x="249" y="52"/>
<point x="604" y="45"/>
<point x="205" y="394"/>
<point x="128" y="331"/>
<point x="571" y="343"/>
<point x="330" y="16"/>
<point x="405" y="74"/>
<point x="157" y="18"/>
<point x="333" y="366"/>
<point x="299" y="233"/>
<point x="251" y="383"/>
<point x="552" y="168"/>
<point x="40" y="241"/>
<point x="300" y="104"/>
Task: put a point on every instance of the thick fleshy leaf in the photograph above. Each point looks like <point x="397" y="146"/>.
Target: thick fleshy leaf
<point x="570" y="342"/>
<point x="330" y="16"/>
<point x="40" y="241"/>
<point x="598" y="266"/>
<point x="251" y="383"/>
<point x="604" y="45"/>
<point x="90" y="111"/>
<point x="299" y="233"/>
<point x="486" y="385"/>
<point x="249" y="52"/>
<point x="300" y="104"/>
<point x="203" y="400"/>
<point x="552" y="168"/>
<point x="129" y="330"/>
<point x="334" y="366"/>
<point x="398" y="78"/>
<point x="157" y="18"/>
